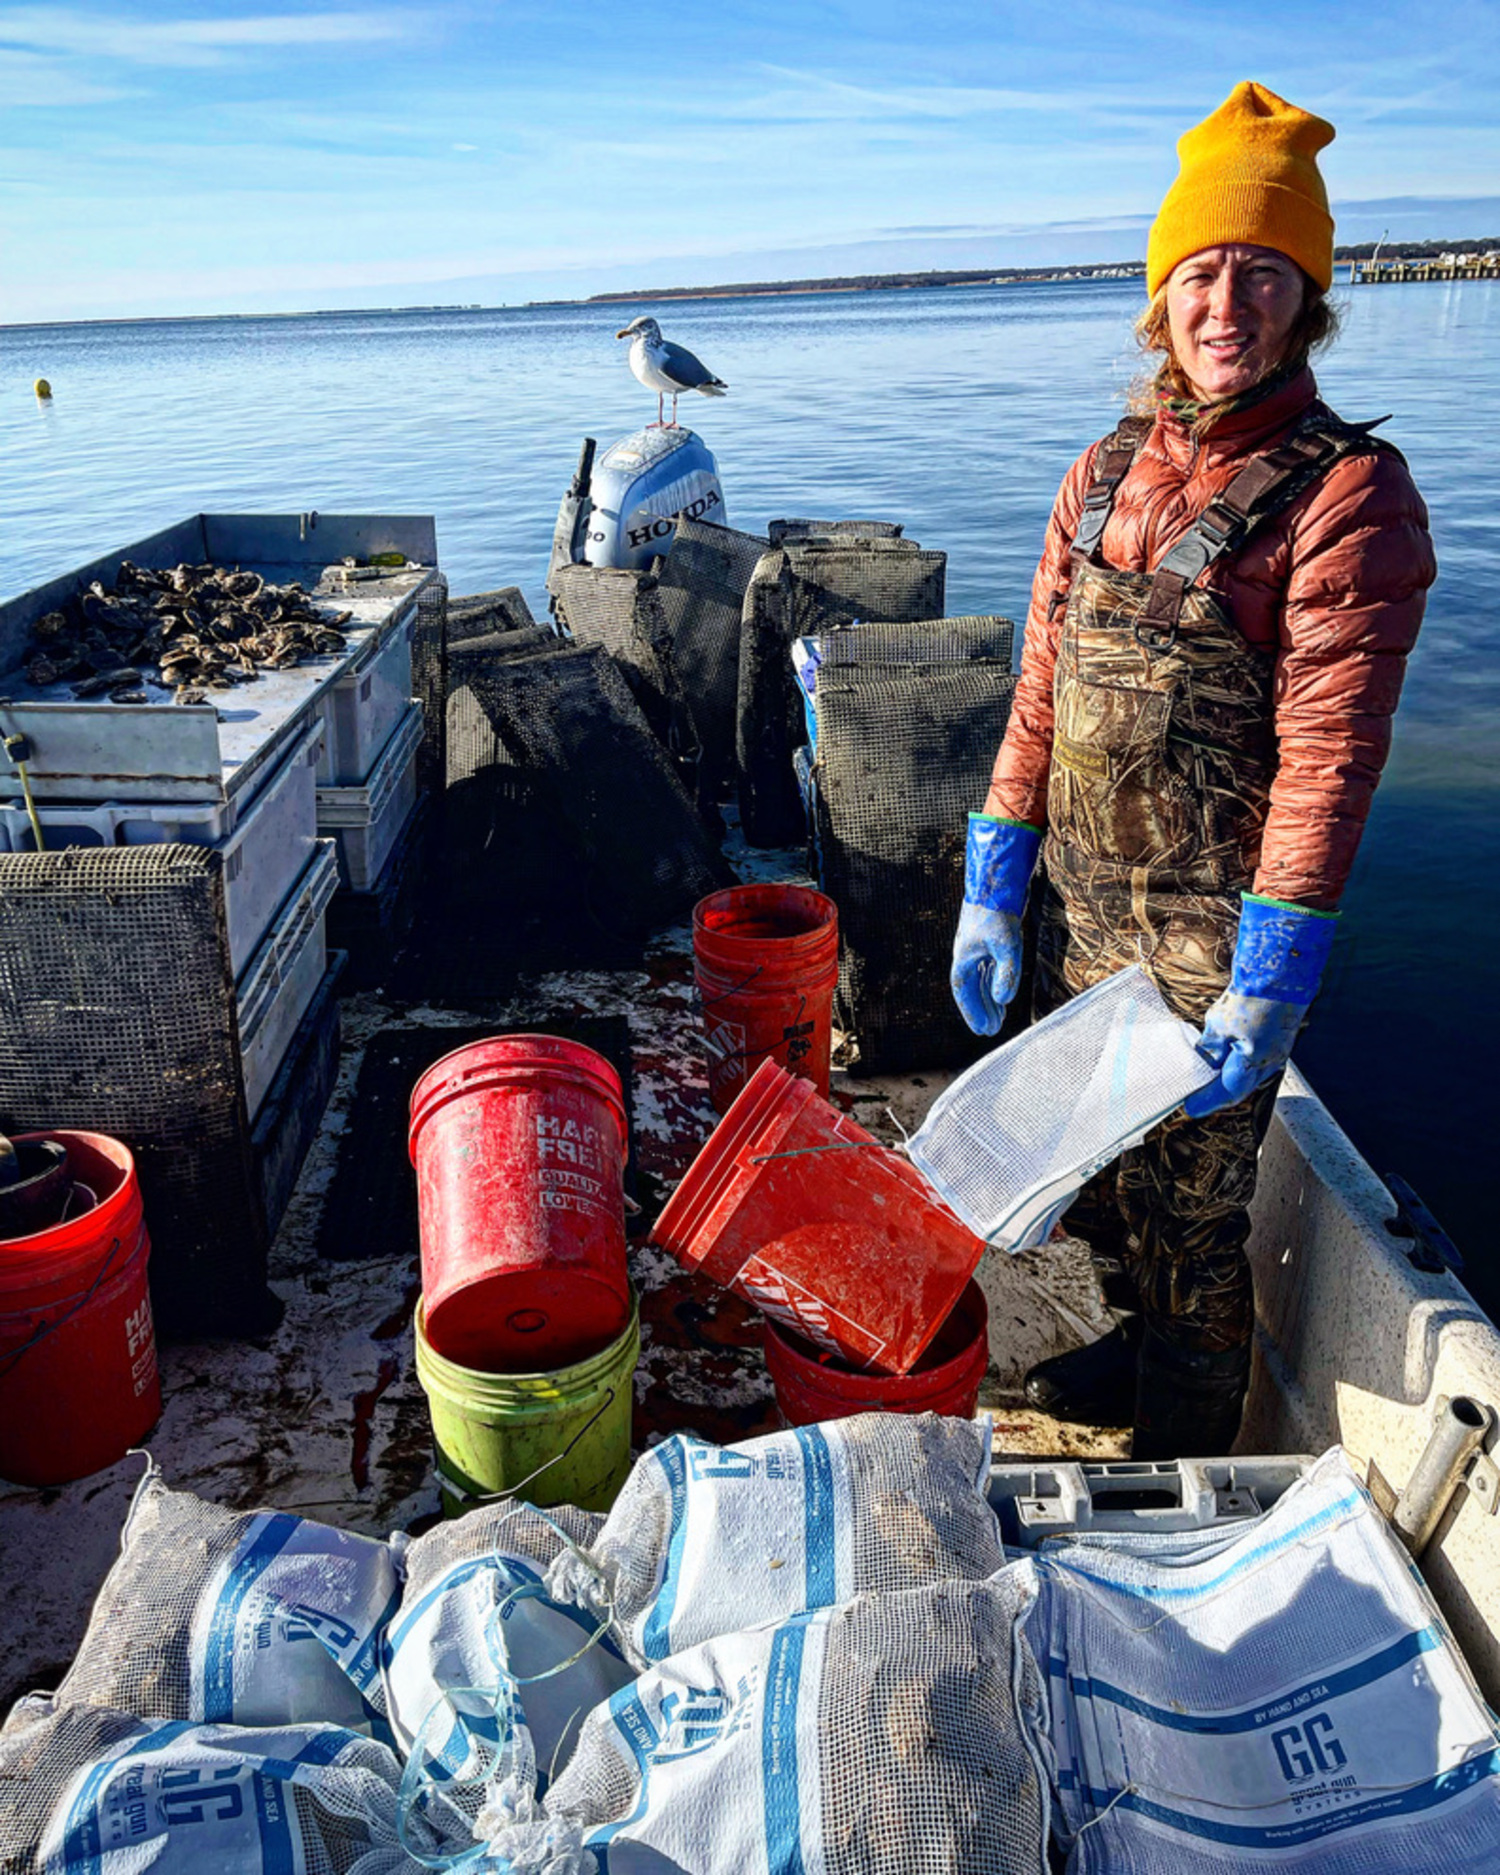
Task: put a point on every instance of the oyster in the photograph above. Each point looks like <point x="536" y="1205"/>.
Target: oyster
<point x="133" y="578"/>
<point x="102" y="681"/>
<point x="199" y="624"/>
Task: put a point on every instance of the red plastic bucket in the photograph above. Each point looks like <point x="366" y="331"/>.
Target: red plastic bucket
<point x="813" y="1386"/>
<point x="805" y="1214"/>
<point x="766" y="961"/>
<point x="519" y="1147"/>
<point x="78" y="1380"/>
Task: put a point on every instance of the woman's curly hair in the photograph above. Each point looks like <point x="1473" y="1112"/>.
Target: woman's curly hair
<point x="1317" y="325"/>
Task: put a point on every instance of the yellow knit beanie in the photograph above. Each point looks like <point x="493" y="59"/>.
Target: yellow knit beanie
<point x="1249" y="174"/>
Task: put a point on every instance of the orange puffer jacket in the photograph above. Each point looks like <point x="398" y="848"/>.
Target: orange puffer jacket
<point x="1336" y="584"/>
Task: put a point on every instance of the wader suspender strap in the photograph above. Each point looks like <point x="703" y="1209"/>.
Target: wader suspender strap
<point x="1265" y="486"/>
<point x="1111" y="466"/>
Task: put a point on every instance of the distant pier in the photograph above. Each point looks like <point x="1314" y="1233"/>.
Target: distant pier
<point x="1437" y="267"/>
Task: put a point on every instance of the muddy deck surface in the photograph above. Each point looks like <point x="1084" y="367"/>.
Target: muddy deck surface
<point x="325" y="1416"/>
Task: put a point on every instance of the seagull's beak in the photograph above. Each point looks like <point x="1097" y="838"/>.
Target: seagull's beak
<point x="625" y="334"/>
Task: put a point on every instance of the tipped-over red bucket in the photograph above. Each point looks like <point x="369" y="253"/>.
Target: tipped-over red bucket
<point x="805" y="1214"/>
<point x="519" y="1147"/>
<point x="78" y="1381"/>
<point x="766" y="962"/>
<point x="812" y="1386"/>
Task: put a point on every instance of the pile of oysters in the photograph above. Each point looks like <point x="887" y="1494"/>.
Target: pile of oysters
<point x="198" y="628"/>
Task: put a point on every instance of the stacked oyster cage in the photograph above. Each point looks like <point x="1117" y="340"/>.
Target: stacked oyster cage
<point x="295" y="756"/>
<point x="878" y="757"/>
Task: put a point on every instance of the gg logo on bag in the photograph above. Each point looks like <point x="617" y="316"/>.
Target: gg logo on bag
<point x="1308" y="1748"/>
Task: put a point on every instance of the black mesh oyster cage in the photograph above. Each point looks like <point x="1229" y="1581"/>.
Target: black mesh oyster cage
<point x="910" y="717"/>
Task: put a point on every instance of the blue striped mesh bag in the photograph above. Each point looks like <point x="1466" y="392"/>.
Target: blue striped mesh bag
<point x="1282" y="1698"/>
<point x="246" y="1617"/>
<point x="85" y="1790"/>
<point x="477" y="1647"/>
<point x="895" y="1735"/>
<point x="706" y="1539"/>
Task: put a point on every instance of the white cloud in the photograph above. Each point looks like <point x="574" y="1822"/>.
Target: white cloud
<point x="74" y="31"/>
<point x="465" y="146"/>
<point x="916" y="100"/>
<point x="29" y="79"/>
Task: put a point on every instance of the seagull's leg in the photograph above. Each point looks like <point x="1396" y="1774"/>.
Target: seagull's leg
<point x="660" y="398"/>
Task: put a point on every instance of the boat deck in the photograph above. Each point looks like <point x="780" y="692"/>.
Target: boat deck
<point x="325" y="1416"/>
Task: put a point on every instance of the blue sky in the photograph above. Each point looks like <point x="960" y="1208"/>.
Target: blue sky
<point x="214" y="157"/>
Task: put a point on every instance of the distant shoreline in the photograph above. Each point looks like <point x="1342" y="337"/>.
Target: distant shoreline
<point x="1060" y="274"/>
<point x="989" y="276"/>
<point x="873" y="283"/>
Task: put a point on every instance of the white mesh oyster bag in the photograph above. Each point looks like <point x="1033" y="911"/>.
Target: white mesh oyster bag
<point x="1011" y="1141"/>
<point x="246" y="1617"/>
<point x="706" y="1539"/>
<point x="476" y="1647"/>
<point x="85" y="1790"/>
<point x="1284" y="1699"/>
<point x="896" y="1735"/>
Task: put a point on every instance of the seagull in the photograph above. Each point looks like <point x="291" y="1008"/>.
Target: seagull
<point x="666" y="368"/>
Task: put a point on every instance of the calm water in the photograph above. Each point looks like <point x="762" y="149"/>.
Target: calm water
<point x="956" y="411"/>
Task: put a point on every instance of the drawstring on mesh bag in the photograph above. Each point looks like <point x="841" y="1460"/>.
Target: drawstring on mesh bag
<point x="489" y="1747"/>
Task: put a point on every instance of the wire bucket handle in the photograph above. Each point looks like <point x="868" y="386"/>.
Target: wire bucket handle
<point x="43" y="1329"/>
<point x="466" y="1496"/>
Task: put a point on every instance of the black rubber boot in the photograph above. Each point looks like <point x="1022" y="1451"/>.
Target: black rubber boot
<point x="1188" y="1402"/>
<point x="1094" y="1384"/>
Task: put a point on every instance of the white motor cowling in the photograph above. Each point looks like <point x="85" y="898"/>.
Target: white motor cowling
<point x="638" y="489"/>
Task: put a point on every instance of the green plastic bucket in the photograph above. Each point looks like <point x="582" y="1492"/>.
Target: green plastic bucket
<point x="554" y="1438"/>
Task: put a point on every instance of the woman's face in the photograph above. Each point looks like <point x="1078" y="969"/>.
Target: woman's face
<point x="1231" y="311"/>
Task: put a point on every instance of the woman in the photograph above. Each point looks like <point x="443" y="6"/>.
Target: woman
<point x="1218" y="630"/>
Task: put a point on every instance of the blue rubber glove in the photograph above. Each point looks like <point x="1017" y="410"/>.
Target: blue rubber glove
<point x="998" y="864"/>
<point x="1248" y="1033"/>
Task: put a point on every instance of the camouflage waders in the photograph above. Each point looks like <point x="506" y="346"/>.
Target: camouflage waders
<point x="1163" y="754"/>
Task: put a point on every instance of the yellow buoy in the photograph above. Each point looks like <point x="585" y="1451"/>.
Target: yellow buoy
<point x="42" y="388"/>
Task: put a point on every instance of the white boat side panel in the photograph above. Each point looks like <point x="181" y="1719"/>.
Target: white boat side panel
<point x="1356" y="1346"/>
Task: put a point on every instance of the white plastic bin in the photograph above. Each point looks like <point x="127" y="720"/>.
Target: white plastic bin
<point x="94" y="750"/>
<point x="275" y="991"/>
<point x="363" y="709"/>
<point x="367" y="821"/>
<point x="266" y="845"/>
<point x="1130" y="1500"/>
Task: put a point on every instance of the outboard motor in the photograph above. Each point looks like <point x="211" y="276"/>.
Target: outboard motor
<point x="573" y="514"/>
<point x="623" y="506"/>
